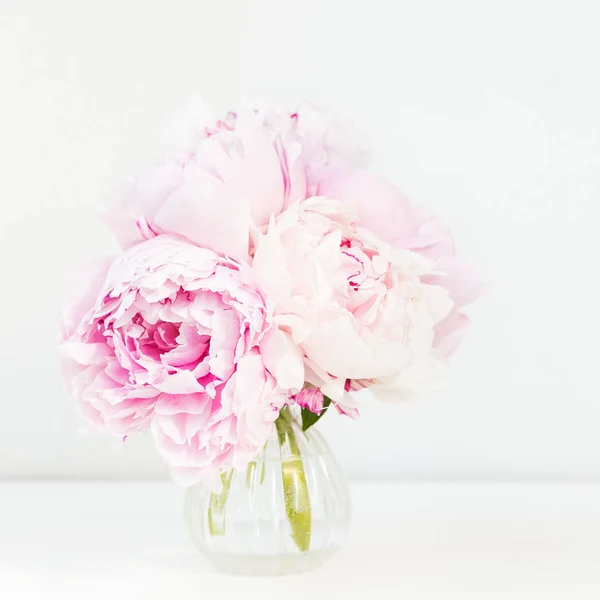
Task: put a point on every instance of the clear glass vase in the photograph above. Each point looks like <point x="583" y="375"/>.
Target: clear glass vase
<point x="287" y="513"/>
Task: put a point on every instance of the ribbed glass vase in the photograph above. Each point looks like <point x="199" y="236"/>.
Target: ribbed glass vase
<point x="287" y="513"/>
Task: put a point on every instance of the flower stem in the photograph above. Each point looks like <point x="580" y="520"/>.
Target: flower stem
<point x="295" y="488"/>
<point x="216" y="506"/>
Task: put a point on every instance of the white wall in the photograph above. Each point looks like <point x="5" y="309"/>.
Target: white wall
<point x="489" y="113"/>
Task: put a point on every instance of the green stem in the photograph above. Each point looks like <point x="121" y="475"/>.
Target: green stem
<point x="250" y="472"/>
<point x="263" y="471"/>
<point x="295" y="488"/>
<point x="216" y="506"/>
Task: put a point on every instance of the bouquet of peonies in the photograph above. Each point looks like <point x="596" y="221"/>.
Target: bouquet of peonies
<point x="262" y="267"/>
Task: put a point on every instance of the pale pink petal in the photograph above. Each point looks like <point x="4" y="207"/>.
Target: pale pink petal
<point x="132" y="211"/>
<point x="381" y="207"/>
<point x="462" y="280"/>
<point x="283" y="358"/>
<point x="257" y="176"/>
<point x="89" y="282"/>
<point x="271" y="269"/>
<point x="341" y="351"/>
<point x="208" y="217"/>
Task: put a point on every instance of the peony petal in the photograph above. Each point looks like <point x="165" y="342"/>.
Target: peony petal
<point x="461" y="279"/>
<point x="181" y="382"/>
<point x="341" y="351"/>
<point x="207" y="216"/>
<point x="258" y="177"/>
<point x="283" y="359"/>
<point x="381" y="206"/>
<point x="86" y="354"/>
<point x="428" y="373"/>
<point x="272" y="273"/>
<point x="131" y="214"/>
<point x="90" y="281"/>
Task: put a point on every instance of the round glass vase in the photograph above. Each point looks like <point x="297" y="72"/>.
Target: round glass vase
<point x="288" y="512"/>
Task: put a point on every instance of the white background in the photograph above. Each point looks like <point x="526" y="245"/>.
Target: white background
<point x="487" y="112"/>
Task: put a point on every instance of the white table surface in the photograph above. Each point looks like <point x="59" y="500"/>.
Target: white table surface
<point x="449" y="541"/>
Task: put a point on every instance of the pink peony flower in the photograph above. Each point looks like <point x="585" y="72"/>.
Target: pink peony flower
<point x="324" y="137"/>
<point x="357" y="307"/>
<point x="226" y="177"/>
<point x="94" y="377"/>
<point x="181" y="335"/>
<point x="388" y="214"/>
